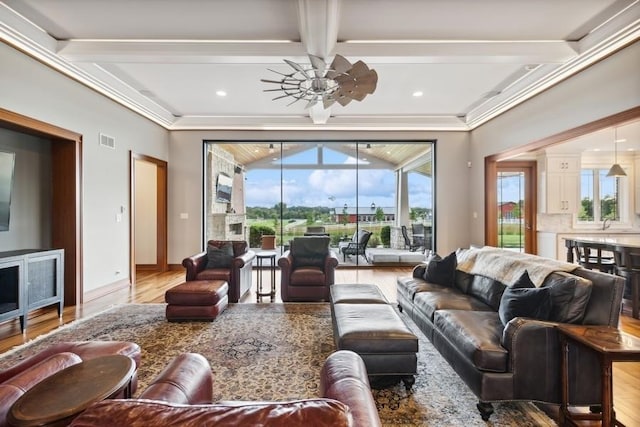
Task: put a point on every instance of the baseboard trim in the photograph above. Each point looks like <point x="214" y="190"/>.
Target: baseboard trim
<point x="106" y="290"/>
<point x="147" y="267"/>
<point x="175" y="267"/>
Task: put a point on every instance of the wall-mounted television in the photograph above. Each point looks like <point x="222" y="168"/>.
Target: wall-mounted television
<point x="223" y="188"/>
<point x="7" y="162"/>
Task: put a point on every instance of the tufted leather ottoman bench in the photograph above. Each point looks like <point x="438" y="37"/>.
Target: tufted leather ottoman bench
<point x="378" y="334"/>
<point x="196" y="300"/>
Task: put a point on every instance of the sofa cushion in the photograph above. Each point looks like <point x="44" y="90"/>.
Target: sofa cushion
<point x="476" y="335"/>
<point x="463" y="281"/>
<point x="410" y="286"/>
<point x="219" y="257"/>
<point x="529" y="302"/>
<point x="441" y="270"/>
<point x="429" y="302"/>
<point x="569" y="296"/>
<point x="487" y="290"/>
<point x="319" y="412"/>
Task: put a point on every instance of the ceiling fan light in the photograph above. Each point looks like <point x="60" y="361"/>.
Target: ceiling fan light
<point x="616" y="170"/>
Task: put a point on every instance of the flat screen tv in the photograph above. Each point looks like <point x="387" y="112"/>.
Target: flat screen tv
<point x="7" y="161"/>
<point x="223" y="188"/>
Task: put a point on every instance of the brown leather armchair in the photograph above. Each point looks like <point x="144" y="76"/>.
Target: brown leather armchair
<point x="307" y="270"/>
<point x="237" y="275"/>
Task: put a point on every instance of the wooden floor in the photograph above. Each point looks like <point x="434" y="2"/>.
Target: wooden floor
<point x="150" y="288"/>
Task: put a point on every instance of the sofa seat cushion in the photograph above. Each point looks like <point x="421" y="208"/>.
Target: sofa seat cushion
<point x="410" y="286"/>
<point x="429" y="302"/>
<point x="307" y="276"/>
<point x="477" y="335"/>
<point x="318" y="412"/>
<point x="215" y="274"/>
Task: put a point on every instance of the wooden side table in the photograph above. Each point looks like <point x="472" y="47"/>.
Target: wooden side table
<point x="611" y="345"/>
<point x="261" y="257"/>
<point x="57" y="399"/>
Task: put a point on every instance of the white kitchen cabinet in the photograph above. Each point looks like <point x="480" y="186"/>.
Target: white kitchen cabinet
<point x="560" y="184"/>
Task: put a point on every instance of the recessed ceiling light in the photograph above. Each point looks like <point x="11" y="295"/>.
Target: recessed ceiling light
<point x="417" y="93"/>
<point x="596" y="149"/>
<point x="221" y="93"/>
<point x="621" y="140"/>
<point x="631" y="149"/>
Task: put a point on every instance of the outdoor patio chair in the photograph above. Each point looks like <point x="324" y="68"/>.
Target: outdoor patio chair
<point x="407" y="241"/>
<point x="357" y="245"/>
<point x="417" y="230"/>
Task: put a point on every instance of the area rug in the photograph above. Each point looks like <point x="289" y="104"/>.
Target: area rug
<point x="274" y="352"/>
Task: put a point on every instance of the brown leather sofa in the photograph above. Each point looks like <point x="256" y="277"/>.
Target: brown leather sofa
<point x="519" y="360"/>
<point x="15" y="381"/>
<point x="181" y="396"/>
<point x="237" y="275"/>
<point x="307" y="269"/>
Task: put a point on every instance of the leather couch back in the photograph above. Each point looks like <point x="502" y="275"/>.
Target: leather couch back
<point x="309" y="251"/>
<point x="240" y="247"/>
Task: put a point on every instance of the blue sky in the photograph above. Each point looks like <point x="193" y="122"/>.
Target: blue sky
<point x="330" y="187"/>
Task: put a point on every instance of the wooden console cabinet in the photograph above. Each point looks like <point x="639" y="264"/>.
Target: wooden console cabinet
<point x="30" y="279"/>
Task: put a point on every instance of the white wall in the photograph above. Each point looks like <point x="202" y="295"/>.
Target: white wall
<point x="37" y="91"/>
<point x="185" y="181"/>
<point x="146" y="221"/>
<point x="30" y="217"/>
<point x="608" y="87"/>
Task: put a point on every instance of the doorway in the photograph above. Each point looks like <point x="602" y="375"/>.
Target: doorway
<point x="514" y="207"/>
<point x="148" y="215"/>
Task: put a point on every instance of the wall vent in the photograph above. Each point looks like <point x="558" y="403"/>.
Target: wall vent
<point x="107" y="141"/>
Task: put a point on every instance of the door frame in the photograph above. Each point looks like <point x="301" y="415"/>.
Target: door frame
<point x="161" y="213"/>
<point x="531" y="207"/>
<point x="66" y="197"/>
<point x="490" y="162"/>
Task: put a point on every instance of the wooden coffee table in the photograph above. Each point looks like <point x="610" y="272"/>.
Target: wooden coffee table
<point x="57" y="399"/>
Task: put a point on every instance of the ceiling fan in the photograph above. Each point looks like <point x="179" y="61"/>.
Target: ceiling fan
<point x="339" y="82"/>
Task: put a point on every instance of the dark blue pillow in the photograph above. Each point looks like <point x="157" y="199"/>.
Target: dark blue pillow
<point x="524" y="281"/>
<point x="220" y="257"/>
<point x="441" y="271"/>
<point x="525" y="301"/>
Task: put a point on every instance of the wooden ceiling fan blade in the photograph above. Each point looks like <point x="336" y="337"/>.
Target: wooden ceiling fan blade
<point x="358" y="69"/>
<point x="342" y="98"/>
<point x="328" y="101"/>
<point x="368" y="82"/>
<point x="339" y="66"/>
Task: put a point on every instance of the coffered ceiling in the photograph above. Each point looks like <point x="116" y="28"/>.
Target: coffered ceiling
<point x="471" y="59"/>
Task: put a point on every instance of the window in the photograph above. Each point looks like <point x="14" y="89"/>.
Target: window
<point x="599" y="196"/>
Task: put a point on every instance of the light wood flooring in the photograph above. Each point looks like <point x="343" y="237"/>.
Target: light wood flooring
<point x="150" y="288"/>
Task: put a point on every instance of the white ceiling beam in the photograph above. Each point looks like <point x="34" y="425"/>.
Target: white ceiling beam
<point x="209" y="52"/>
<point x="318" y="22"/>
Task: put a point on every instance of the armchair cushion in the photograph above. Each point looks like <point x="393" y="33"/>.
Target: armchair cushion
<point x="219" y="257"/>
<point x="310" y="251"/>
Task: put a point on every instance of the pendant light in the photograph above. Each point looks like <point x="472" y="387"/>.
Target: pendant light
<point x="616" y="169"/>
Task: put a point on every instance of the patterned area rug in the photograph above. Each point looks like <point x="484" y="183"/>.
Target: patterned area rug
<point x="274" y="352"/>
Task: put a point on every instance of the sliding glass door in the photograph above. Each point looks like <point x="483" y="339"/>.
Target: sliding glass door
<point x="333" y="188"/>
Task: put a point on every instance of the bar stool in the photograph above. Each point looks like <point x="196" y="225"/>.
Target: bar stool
<point x="628" y="266"/>
<point x="589" y="255"/>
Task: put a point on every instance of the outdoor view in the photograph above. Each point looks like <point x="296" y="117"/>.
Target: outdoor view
<point x="334" y="189"/>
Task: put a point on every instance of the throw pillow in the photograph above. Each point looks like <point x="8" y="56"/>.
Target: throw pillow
<point x="441" y="271"/>
<point x="220" y="257"/>
<point x="533" y="302"/>
<point x="524" y="281"/>
<point x="569" y="295"/>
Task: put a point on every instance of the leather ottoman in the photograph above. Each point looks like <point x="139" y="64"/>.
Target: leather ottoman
<point x="196" y="300"/>
<point x="378" y="334"/>
<point x="356" y="294"/>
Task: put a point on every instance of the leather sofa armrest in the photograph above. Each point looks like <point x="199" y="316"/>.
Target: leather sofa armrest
<point x="244" y="259"/>
<point x="17" y="385"/>
<point x="534" y="359"/>
<point x="344" y="378"/>
<point x="418" y="271"/>
<point x="186" y="380"/>
<point x="85" y="349"/>
<point x="194" y="264"/>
